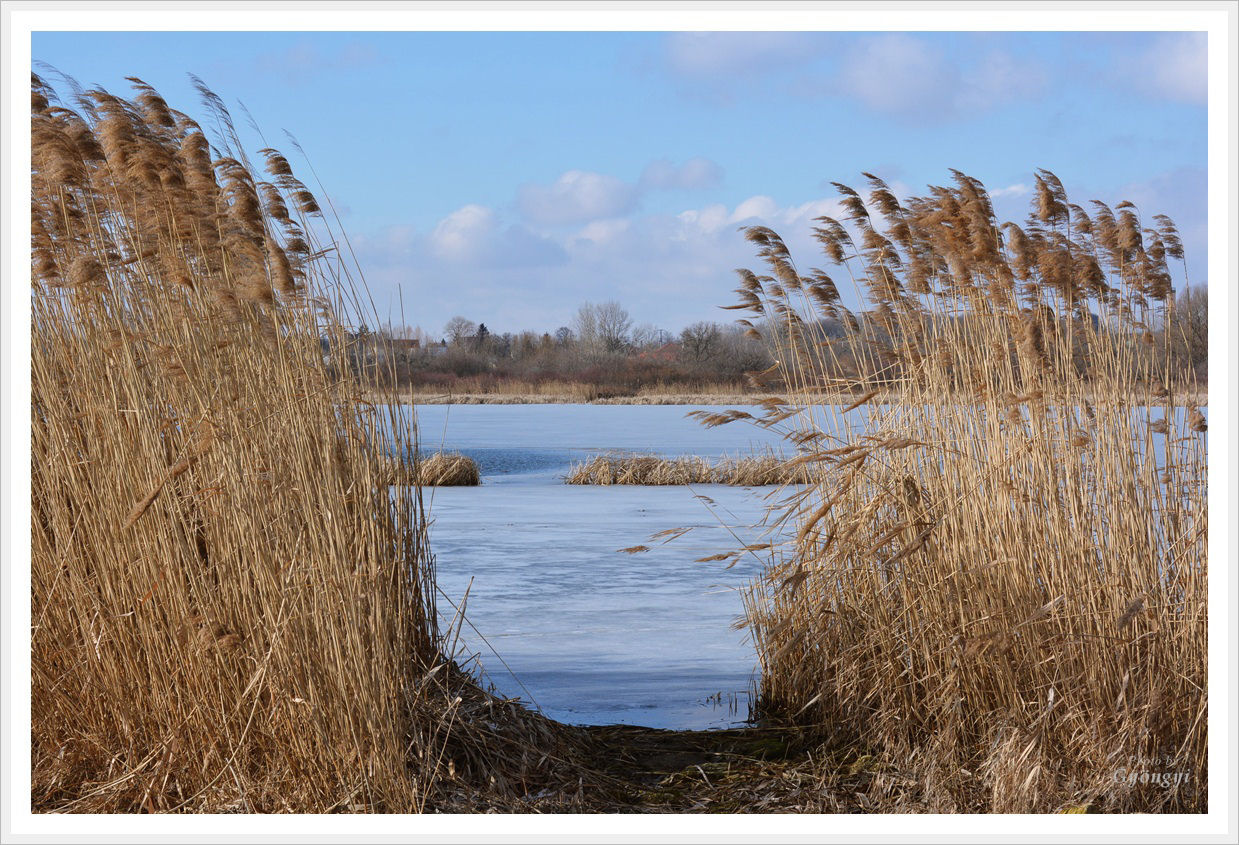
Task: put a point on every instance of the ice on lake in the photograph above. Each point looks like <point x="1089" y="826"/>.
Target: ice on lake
<point x="563" y="619"/>
<point x="589" y="634"/>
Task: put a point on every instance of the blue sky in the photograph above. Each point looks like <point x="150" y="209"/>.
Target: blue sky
<point x="509" y="177"/>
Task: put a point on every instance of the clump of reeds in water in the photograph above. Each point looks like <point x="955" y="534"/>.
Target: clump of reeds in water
<point x="232" y="610"/>
<point x="448" y="470"/>
<point x="749" y="471"/>
<point x="996" y="568"/>
<point x="442" y="469"/>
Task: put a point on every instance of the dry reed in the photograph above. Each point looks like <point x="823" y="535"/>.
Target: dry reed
<point x="444" y="469"/>
<point x="749" y="471"/>
<point x="232" y="610"/>
<point x="997" y="587"/>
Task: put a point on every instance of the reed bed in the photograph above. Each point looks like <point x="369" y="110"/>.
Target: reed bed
<point x="996" y="591"/>
<point x="231" y="609"/>
<point x="749" y="471"/>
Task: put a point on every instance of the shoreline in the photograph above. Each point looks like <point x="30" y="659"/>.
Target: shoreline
<point x="564" y="399"/>
<point x="1200" y="398"/>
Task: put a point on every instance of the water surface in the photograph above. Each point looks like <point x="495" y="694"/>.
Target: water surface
<point x="590" y="634"/>
<point x="563" y="619"/>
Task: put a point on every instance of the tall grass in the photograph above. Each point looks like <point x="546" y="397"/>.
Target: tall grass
<point x="231" y="610"/>
<point x="997" y="585"/>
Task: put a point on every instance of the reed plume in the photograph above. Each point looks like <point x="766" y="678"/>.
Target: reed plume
<point x="999" y="547"/>
<point x="233" y="610"/>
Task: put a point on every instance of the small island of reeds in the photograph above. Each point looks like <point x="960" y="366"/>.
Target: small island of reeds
<point x="745" y="471"/>
<point x="441" y="469"/>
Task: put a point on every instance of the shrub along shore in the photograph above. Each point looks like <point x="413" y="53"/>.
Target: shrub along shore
<point x="1186" y="396"/>
<point x="715" y="399"/>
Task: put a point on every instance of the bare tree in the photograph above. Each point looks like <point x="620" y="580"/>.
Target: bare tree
<point x="614" y="324"/>
<point x="648" y="334"/>
<point x="1189" y="330"/>
<point x="700" y="341"/>
<point x="585" y="323"/>
<point x="738" y="353"/>
<point x="458" y="328"/>
<point x="604" y="328"/>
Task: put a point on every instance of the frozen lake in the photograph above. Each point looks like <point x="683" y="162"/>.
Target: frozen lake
<point x="585" y="632"/>
<point x="591" y="634"/>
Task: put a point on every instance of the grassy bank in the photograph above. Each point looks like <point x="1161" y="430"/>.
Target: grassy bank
<point x="996" y="567"/>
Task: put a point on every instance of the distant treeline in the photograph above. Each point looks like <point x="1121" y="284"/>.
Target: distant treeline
<point x="601" y="348"/>
<point x="604" y="350"/>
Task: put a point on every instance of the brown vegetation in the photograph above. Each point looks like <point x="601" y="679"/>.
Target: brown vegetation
<point x="601" y="356"/>
<point x="442" y="469"/>
<point x="995" y="599"/>
<point x="490" y="391"/>
<point x="568" y="399"/>
<point x="749" y="471"/>
<point x="997" y="584"/>
<point x="232" y="610"/>
<point x="559" y="369"/>
<point x="705" y="359"/>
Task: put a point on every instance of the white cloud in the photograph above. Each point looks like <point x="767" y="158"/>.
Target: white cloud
<point x="605" y="231"/>
<point x="577" y="196"/>
<point x="800" y="215"/>
<point x="758" y="207"/>
<point x="473" y="235"/>
<point x="695" y="174"/>
<point x="514" y="277"/>
<point x="709" y="219"/>
<point x="998" y="77"/>
<point x="711" y="54"/>
<point x="693" y="253"/>
<point x="896" y="73"/>
<point x="1176" y="67"/>
<point x="765" y="211"/>
<point x="459" y="235"/>
<point x="581" y="196"/>
<point x="913" y="78"/>
<point x="1019" y="189"/>
<point x="303" y="60"/>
